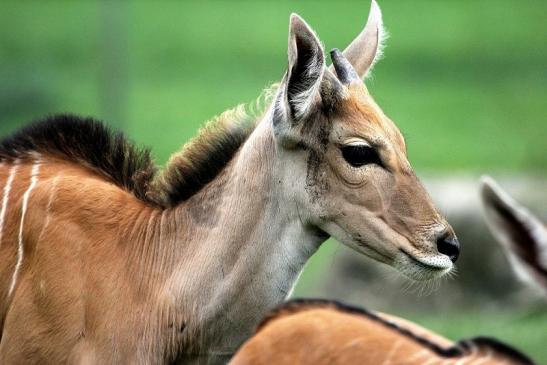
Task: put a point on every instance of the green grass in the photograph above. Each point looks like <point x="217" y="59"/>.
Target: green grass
<point x="465" y="82"/>
<point x="524" y="331"/>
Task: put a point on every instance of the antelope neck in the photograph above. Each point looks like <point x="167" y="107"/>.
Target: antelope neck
<point x="240" y="245"/>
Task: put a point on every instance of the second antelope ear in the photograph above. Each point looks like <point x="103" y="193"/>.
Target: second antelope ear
<point x="521" y="233"/>
<point x="366" y="48"/>
<point x="306" y="67"/>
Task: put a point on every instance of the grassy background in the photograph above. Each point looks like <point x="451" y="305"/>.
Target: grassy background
<point x="524" y="330"/>
<point x="465" y="80"/>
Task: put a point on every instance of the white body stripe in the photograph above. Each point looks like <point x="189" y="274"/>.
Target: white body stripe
<point x="392" y="352"/>
<point x="430" y="362"/>
<point x="33" y="181"/>
<point x="484" y="359"/>
<point x="52" y="197"/>
<point x="419" y="355"/>
<point x="5" y="198"/>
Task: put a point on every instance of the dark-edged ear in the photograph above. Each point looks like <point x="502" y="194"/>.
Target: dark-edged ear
<point x="306" y="67"/>
<point x="299" y="91"/>
<point x="522" y="235"/>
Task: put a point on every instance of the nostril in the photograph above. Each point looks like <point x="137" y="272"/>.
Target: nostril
<point x="448" y="245"/>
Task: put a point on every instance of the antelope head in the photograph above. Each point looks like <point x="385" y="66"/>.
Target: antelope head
<point x="345" y="162"/>
<point x="521" y="234"/>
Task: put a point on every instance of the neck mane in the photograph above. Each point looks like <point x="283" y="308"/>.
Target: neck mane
<point x="88" y="142"/>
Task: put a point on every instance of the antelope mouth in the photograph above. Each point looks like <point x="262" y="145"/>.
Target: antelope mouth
<point x="382" y="257"/>
<point x="423" y="268"/>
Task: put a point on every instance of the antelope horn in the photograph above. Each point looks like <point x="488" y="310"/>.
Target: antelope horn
<point x="344" y="70"/>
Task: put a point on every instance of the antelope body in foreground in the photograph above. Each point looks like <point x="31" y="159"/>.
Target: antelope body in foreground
<point x="318" y="332"/>
<point x="105" y="260"/>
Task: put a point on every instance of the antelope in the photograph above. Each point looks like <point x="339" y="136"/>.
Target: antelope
<point x="318" y="332"/>
<point x="106" y="259"/>
<point x="521" y="234"/>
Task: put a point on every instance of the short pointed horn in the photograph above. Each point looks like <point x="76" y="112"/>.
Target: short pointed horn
<point x="365" y="49"/>
<point x="344" y="70"/>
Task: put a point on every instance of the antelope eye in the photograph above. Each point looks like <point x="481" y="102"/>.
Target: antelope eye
<point x="360" y="155"/>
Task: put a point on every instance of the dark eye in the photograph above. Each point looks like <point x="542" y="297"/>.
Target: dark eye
<point x="360" y="155"/>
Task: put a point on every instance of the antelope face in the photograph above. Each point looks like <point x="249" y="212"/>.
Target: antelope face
<point x="352" y="176"/>
<point x="520" y="233"/>
<point x="370" y="198"/>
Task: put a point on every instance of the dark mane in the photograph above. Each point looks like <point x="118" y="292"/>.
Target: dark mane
<point x="205" y="156"/>
<point x="497" y="346"/>
<point x="89" y="142"/>
<point x="297" y="305"/>
<point x="459" y="349"/>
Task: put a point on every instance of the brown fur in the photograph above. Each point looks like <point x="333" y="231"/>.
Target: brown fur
<point x="79" y="244"/>
<point x="100" y="267"/>
<point x="325" y="332"/>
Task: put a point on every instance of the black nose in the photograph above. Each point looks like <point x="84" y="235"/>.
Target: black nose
<point x="448" y="245"/>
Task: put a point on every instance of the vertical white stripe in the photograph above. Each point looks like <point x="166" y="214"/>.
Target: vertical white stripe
<point x="419" y="355"/>
<point x="33" y="181"/>
<point x="430" y="361"/>
<point x="5" y="199"/>
<point x="52" y="197"/>
<point x="394" y="348"/>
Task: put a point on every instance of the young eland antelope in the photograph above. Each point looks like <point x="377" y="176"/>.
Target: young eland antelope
<point x="319" y="332"/>
<point x="106" y="260"/>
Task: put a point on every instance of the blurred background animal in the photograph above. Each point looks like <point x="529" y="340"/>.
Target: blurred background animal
<point x="521" y="234"/>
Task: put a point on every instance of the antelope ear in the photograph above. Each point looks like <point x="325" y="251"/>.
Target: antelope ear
<point x="306" y="67"/>
<point x="365" y="50"/>
<point x="522" y="235"/>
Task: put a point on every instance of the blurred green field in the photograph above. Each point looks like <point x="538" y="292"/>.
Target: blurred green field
<point x="466" y="81"/>
<point x="524" y="331"/>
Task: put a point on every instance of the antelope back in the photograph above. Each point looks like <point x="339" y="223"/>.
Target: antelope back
<point x="320" y="332"/>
